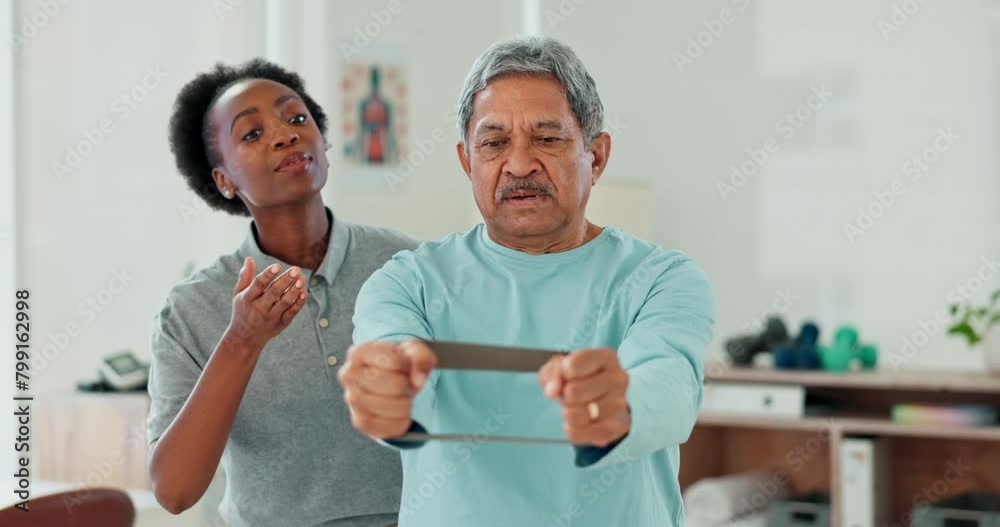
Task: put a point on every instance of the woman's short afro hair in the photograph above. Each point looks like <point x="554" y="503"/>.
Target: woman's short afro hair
<point x="192" y="139"/>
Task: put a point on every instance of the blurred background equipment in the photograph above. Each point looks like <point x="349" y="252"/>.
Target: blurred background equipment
<point x="804" y="351"/>
<point x="731" y="500"/>
<point x="742" y="349"/>
<point x="123" y="371"/>
<point x="846" y="351"/>
<point x="864" y="481"/>
<point x="969" y="508"/>
<point x="800" y="353"/>
<point x="808" y="510"/>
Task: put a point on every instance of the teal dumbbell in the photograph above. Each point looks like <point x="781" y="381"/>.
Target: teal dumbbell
<point x="834" y="358"/>
<point x="845" y="349"/>
<point x="847" y="336"/>
<point x="868" y="354"/>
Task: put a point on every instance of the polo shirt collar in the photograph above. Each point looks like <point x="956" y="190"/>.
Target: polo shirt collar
<point x="336" y="250"/>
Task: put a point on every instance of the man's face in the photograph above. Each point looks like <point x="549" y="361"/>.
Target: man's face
<point x="530" y="165"/>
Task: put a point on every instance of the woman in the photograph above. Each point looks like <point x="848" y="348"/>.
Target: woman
<point x="245" y="351"/>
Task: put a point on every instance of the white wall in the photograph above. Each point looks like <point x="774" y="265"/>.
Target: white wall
<point x="8" y="279"/>
<point x="679" y="132"/>
<point x="784" y="228"/>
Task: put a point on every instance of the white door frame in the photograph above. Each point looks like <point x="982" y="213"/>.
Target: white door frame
<point x="8" y="231"/>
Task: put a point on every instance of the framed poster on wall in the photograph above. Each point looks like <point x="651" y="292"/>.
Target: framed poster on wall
<point x="374" y="116"/>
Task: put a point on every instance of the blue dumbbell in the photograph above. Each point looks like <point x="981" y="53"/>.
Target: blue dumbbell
<point x="784" y="357"/>
<point x="800" y="354"/>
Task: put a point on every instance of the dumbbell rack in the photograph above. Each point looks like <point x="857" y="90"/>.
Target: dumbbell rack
<point x="805" y="449"/>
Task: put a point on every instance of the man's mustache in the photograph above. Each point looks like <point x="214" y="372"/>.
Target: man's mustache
<point x="521" y="185"/>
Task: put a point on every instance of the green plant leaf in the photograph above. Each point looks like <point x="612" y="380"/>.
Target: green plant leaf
<point x="965" y="329"/>
<point x="954" y="309"/>
<point x="995" y="297"/>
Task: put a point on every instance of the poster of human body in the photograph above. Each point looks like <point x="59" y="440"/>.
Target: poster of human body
<point x="373" y="116"/>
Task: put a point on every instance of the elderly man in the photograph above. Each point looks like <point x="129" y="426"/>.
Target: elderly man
<point x="636" y="318"/>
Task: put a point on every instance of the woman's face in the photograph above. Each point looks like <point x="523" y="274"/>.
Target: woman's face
<point x="271" y="151"/>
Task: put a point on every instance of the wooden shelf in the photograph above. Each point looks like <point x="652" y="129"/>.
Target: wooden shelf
<point x="805" y="424"/>
<point x="885" y="427"/>
<point x="806" y="450"/>
<point x="850" y="426"/>
<point x="954" y="382"/>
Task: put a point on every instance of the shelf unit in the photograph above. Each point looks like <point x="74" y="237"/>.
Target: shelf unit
<point x="804" y="450"/>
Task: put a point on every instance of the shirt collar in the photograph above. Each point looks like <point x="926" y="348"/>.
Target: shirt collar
<point x="336" y="250"/>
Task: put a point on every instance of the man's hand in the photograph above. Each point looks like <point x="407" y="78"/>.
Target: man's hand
<point x="380" y="380"/>
<point x="590" y="384"/>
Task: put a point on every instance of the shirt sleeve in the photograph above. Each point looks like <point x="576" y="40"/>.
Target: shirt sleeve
<point x="390" y="308"/>
<point x="663" y="352"/>
<point x="390" y="304"/>
<point x="173" y="373"/>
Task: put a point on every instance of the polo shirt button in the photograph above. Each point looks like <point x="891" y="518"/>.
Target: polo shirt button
<point x="314" y="282"/>
<point x="331" y="360"/>
<point x="323" y="322"/>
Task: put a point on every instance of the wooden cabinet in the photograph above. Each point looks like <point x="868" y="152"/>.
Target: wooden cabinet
<point x="927" y="462"/>
<point x="92" y="439"/>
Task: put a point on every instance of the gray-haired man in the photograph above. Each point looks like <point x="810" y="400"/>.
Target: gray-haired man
<point x="637" y="319"/>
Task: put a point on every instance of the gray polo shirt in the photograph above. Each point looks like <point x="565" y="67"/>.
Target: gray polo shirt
<point x="292" y="458"/>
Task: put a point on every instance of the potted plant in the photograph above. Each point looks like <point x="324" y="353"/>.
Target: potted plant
<point x="976" y="325"/>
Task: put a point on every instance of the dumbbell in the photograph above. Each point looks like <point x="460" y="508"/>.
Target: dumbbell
<point x="743" y="348"/>
<point x="868" y="354"/>
<point x="845" y="349"/>
<point x="800" y="354"/>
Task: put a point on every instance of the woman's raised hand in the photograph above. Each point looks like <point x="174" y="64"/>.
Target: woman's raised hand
<point x="263" y="306"/>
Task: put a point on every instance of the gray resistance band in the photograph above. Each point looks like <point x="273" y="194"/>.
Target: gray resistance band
<point x="461" y="356"/>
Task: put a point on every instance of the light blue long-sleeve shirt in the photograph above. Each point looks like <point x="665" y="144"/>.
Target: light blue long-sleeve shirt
<point x="655" y="307"/>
